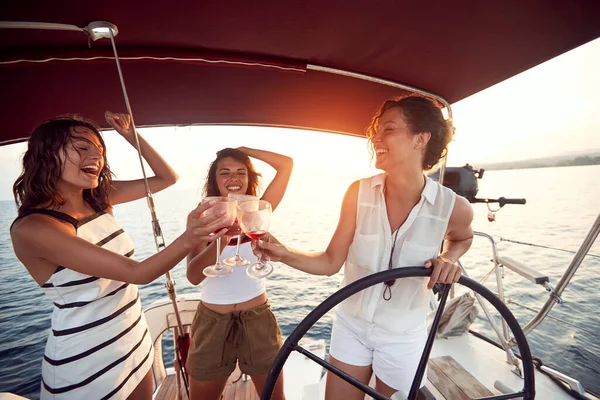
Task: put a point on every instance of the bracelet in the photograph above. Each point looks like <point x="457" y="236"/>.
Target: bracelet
<point x="445" y="259"/>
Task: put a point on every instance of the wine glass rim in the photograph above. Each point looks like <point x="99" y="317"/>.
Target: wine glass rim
<point x="218" y="198"/>
<point x="242" y="197"/>
<point x="260" y="202"/>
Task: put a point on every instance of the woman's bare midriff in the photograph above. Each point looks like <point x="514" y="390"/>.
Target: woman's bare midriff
<point x="246" y="305"/>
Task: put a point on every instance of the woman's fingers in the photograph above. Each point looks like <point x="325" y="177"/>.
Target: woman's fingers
<point x="268" y="246"/>
<point x="205" y="234"/>
<point x="120" y="122"/>
<point x="256" y="250"/>
<point x="435" y="274"/>
<point x="115" y="119"/>
<point x="269" y="238"/>
<point x="207" y="227"/>
<point x="200" y="217"/>
<point x="219" y="219"/>
<point x="210" y="224"/>
<point x="203" y="206"/>
<point x="444" y="271"/>
<point x="273" y="251"/>
<point x="218" y="234"/>
<point x="457" y="274"/>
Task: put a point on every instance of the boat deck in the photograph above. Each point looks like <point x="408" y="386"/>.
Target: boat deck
<point x="237" y="388"/>
<point x="452" y="382"/>
<point x="447" y="380"/>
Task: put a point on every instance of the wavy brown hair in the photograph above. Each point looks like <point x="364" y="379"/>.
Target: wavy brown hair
<point x="212" y="189"/>
<point x="36" y="187"/>
<point x="421" y="115"/>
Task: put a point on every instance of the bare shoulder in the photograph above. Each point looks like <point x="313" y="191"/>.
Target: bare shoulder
<point x="350" y="199"/>
<point x="462" y="213"/>
<point x="29" y="234"/>
<point x="35" y="226"/>
<point x="353" y="189"/>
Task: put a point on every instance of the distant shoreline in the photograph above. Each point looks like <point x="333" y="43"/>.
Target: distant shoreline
<point x="531" y="164"/>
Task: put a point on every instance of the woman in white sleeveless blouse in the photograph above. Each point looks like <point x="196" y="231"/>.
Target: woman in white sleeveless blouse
<point x="395" y="219"/>
<point x="66" y="236"/>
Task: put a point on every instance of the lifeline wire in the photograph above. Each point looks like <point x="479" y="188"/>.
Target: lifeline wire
<point x="545" y="247"/>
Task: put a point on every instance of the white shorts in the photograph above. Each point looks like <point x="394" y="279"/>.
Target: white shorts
<point x="393" y="357"/>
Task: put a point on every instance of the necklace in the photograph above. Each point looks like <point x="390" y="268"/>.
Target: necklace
<point x="387" y="291"/>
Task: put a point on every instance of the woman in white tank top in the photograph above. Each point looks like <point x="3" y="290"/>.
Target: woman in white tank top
<point x="66" y="236"/>
<point x="234" y="323"/>
<point x="396" y="219"/>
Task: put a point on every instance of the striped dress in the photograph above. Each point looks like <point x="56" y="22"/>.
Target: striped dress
<point x="99" y="345"/>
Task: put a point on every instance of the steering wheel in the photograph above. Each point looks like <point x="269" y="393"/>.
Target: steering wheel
<point x="291" y="343"/>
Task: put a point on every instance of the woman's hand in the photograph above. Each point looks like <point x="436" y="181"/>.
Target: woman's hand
<point x="444" y="271"/>
<point x="282" y="164"/>
<point x="200" y="227"/>
<point x="121" y="123"/>
<point x="269" y="248"/>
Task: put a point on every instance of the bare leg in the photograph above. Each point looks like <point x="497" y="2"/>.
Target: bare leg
<point x="143" y="391"/>
<point x="206" y="390"/>
<point x="388" y="391"/>
<point x="339" y="389"/>
<point x="383" y="388"/>
<point x="259" y="383"/>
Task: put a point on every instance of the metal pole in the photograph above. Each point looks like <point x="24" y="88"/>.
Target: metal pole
<point x="159" y="239"/>
<point x="567" y="276"/>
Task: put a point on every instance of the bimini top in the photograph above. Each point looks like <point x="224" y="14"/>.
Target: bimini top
<point x="251" y="62"/>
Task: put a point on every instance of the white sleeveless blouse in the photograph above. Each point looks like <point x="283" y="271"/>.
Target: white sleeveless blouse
<point x="418" y="239"/>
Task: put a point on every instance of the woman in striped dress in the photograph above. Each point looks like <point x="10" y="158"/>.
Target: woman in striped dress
<point x="66" y="236"/>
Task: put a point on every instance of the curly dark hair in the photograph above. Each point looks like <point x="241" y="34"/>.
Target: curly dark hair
<point x="421" y="115"/>
<point x="211" y="188"/>
<point x="42" y="166"/>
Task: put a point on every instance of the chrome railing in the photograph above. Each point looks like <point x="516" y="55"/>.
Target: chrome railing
<point x="554" y="294"/>
<point x="566" y="278"/>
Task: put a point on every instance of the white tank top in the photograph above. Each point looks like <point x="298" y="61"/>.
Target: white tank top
<point x="236" y="287"/>
<point x="419" y="239"/>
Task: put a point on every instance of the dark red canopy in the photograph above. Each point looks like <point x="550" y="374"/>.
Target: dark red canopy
<point x="454" y="49"/>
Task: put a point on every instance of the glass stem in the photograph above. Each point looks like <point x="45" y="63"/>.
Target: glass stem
<point x="217" y="263"/>
<point x="258" y="260"/>
<point x="237" y="246"/>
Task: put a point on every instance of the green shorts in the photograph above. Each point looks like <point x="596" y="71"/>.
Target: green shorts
<point x="220" y="341"/>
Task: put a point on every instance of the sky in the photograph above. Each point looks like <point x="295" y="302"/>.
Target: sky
<point x="551" y="109"/>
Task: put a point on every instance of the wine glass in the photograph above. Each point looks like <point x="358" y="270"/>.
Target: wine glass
<point x="229" y="205"/>
<point x="254" y="217"/>
<point x="237" y="260"/>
